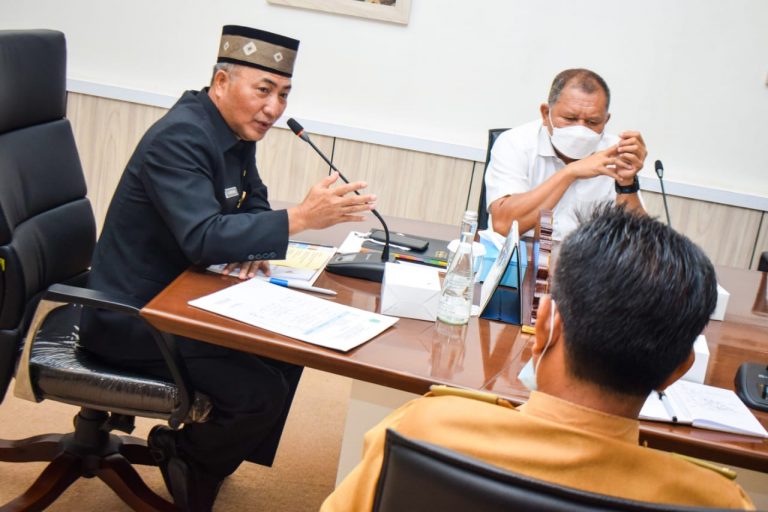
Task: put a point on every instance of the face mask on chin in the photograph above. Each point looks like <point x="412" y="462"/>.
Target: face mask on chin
<point x="528" y="374"/>
<point x="574" y="142"/>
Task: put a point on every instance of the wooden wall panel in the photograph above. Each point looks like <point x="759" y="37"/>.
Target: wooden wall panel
<point x="288" y="166"/>
<point x="106" y="133"/>
<point x="726" y="233"/>
<point x="762" y="241"/>
<point x="408" y="183"/>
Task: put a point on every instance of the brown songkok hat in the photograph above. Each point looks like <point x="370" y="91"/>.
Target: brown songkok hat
<point x="258" y="48"/>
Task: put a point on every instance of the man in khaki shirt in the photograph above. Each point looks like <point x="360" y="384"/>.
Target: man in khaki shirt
<point x="629" y="297"/>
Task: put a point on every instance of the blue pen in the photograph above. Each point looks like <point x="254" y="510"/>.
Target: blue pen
<point x="300" y="286"/>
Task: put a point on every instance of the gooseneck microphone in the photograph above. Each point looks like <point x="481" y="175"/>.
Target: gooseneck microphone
<point x="660" y="174"/>
<point x="361" y="265"/>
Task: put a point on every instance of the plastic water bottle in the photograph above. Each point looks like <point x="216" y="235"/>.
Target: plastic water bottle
<point x="456" y="297"/>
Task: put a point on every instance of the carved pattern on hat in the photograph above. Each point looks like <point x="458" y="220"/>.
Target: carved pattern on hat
<point x="260" y="53"/>
<point x="250" y="48"/>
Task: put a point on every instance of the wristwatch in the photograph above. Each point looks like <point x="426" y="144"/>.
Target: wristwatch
<point x="628" y="189"/>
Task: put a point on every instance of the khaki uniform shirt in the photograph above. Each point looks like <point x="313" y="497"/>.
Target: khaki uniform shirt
<point x="549" y="439"/>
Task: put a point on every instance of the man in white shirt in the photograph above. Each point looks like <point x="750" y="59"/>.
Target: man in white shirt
<point x="565" y="161"/>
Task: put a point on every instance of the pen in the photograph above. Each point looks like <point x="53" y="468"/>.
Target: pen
<point x="391" y="245"/>
<point x="667" y="406"/>
<point x="309" y="245"/>
<point x="300" y="286"/>
<point x="242" y="198"/>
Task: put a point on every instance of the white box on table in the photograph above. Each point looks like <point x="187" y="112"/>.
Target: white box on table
<point x="722" y="303"/>
<point x="410" y="291"/>
<point x="698" y="371"/>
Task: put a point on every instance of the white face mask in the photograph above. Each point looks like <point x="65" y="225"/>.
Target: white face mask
<point x="528" y="374"/>
<point x="575" y="141"/>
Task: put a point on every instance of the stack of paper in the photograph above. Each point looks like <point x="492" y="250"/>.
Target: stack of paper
<point x="295" y="314"/>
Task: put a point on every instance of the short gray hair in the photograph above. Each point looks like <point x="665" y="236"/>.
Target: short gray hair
<point x="227" y="67"/>
<point x="584" y="79"/>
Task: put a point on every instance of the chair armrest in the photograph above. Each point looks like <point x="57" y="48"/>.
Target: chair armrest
<point x="93" y="298"/>
<point x="63" y="294"/>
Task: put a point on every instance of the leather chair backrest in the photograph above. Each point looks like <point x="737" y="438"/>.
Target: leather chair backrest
<point x="421" y="477"/>
<point x="47" y="229"/>
<point x="482" y="209"/>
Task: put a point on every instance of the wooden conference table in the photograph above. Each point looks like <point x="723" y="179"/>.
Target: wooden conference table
<point x="408" y="357"/>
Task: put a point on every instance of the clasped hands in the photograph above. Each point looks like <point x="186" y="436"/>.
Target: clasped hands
<point x="621" y="161"/>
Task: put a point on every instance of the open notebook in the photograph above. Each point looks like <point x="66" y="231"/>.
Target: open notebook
<point x="704" y="407"/>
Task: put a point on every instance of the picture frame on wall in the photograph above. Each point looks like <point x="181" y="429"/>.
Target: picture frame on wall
<point x="395" y="11"/>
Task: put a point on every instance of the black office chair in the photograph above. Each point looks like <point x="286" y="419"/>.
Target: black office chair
<point x="47" y="236"/>
<point x="421" y="477"/>
<point x="482" y="208"/>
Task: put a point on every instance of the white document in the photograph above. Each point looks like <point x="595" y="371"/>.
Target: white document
<point x="295" y="314"/>
<point x="704" y="407"/>
<point x="353" y="243"/>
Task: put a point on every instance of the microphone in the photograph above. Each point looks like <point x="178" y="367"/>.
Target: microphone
<point x="360" y="265"/>
<point x="299" y="131"/>
<point x="660" y="174"/>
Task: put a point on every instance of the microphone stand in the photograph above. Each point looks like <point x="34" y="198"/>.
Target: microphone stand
<point x="660" y="174"/>
<point x="385" y="250"/>
<point x="360" y="265"/>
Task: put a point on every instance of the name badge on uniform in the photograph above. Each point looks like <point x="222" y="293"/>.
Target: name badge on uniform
<point x="230" y="192"/>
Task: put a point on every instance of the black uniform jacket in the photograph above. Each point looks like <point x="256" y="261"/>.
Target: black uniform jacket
<point x="190" y="195"/>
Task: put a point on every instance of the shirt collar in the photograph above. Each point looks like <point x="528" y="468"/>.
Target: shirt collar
<point x="563" y="412"/>
<point x="224" y="135"/>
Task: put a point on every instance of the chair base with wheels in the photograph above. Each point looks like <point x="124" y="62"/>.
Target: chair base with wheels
<point x="54" y="366"/>
<point x="90" y="451"/>
<point x="47" y="236"/>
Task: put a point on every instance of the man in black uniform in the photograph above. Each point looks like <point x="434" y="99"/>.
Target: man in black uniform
<point x="191" y="195"/>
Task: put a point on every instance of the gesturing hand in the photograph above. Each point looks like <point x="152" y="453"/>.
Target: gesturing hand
<point x="325" y="206"/>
